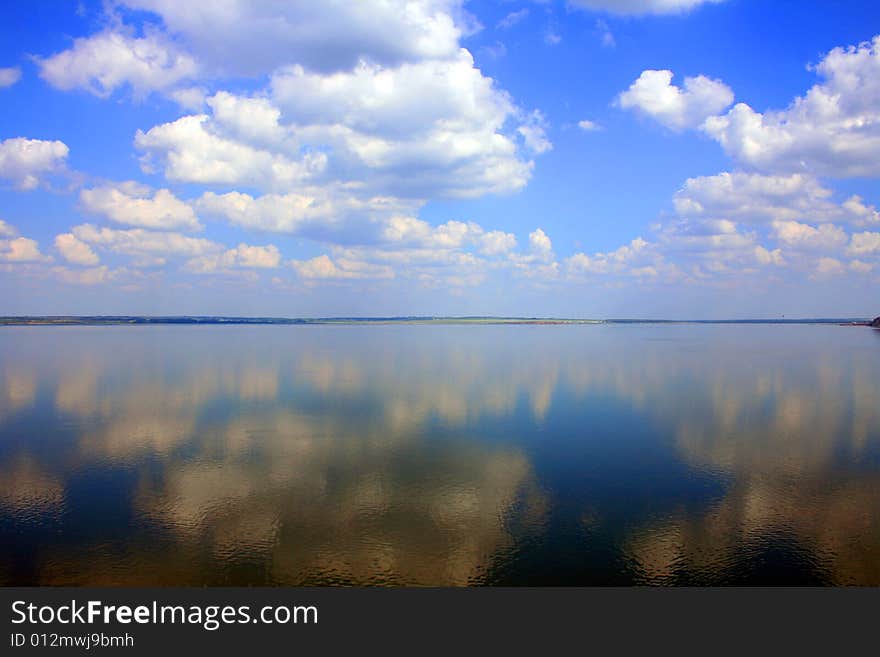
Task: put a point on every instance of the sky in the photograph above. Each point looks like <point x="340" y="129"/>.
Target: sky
<point x="583" y="158"/>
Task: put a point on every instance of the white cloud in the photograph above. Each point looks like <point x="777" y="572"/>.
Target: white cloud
<point x="323" y="213"/>
<point x="624" y="260"/>
<point x="552" y="37"/>
<point x="823" y="237"/>
<point x="654" y="95"/>
<point x="640" y="7"/>
<point x="9" y="76"/>
<point x="191" y="99"/>
<point x="323" y="268"/>
<point x="88" y="276"/>
<point x="74" y="250"/>
<point x="131" y="203"/>
<point x="588" y="126"/>
<point x="766" y="257"/>
<point x="6" y="230"/>
<point x="862" y="214"/>
<point x="865" y="243"/>
<point x="540" y="244"/>
<point x="102" y="63"/>
<point x="833" y="130"/>
<point x="534" y="133"/>
<point x="325" y="36"/>
<point x="423" y="130"/>
<point x="829" y="266"/>
<point x="416" y="234"/>
<point x="242" y="256"/>
<point x="756" y="198"/>
<point x="497" y="242"/>
<point x="513" y="18"/>
<point x="148" y="246"/>
<point x="861" y="267"/>
<point x="20" y="249"/>
<point x="392" y="102"/>
<point x="26" y="161"/>
<point x="191" y="151"/>
<point x="433" y="128"/>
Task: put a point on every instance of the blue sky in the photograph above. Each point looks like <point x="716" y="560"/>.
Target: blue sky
<point x="590" y="158"/>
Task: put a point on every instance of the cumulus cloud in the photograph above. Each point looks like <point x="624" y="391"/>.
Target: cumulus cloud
<point x="134" y="204"/>
<point x="833" y="130"/>
<point x="736" y="223"/>
<point x="861" y="267"/>
<point x="826" y="266"/>
<point x="27" y="161"/>
<point x="324" y="36"/>
<point x="534" y="133"/>
<point x="353" y="134"/>
<point x="540" y="244"/>
<point x="429" y="129"/>
<point x="497" y="242"/>
<point x="9" y="76"/>
<point x="865" y="243"/>
<point x="323" y="268"/>
<point x="757" y="198"/>
<point x="75" y="250"/>
<point x="243" y="256"/>
<point x="641" y="7"/>
<point x="432" y="128"/>
<point x="627" y="259"/>
<point x="452" y="235"/>
<point x="765" y="256"/>
<point x="654" y="95"/>
<point x="539" y="260"/>
<point x="20" y="249"/>
<point x="323" y="213"/>
<point x="191" y="150"/>
<point x="149" y="247"/>
<point x="104" y="62"/>
<point x="6" y="230"/>
<point x="823" y="237"/>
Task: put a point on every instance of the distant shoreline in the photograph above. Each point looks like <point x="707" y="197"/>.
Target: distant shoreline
<point x="123" y="320"/>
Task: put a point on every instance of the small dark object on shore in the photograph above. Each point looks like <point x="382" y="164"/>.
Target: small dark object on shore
<point x="876" y="323"/>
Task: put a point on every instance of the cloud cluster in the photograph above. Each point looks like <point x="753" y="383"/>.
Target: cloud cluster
<point x="833" y="130"/>
<point x="74" y="250"/>
<point x="17" y="249"/>
<point x="102" y="63"/>
<point x="654" y="95"/>
<point x="777" y="209"/>
<point x="27" y="162"/>
<point x="321" y="127"/>
<point x="324" y="36"/>
<point x="754" y="198"/>
<point x="429" y="129"/>
<point x="242" y="256"/>
<point x="132" y="203"/>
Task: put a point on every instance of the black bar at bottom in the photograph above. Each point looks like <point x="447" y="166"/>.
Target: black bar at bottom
<point x="411" y="621"/>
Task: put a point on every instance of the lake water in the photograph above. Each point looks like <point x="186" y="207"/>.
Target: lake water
<point x="440" y="455"/>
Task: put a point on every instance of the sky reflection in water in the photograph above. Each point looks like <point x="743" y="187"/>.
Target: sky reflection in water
<point x="442" y="455"/>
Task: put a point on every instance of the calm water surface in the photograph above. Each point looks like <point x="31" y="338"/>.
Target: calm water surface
<point x="450" y="455"/>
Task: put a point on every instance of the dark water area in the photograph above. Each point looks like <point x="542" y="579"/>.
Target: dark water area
<point x="440" y="455"/>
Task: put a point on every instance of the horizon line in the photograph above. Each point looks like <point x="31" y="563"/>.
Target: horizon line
<point x="185" y="318"/>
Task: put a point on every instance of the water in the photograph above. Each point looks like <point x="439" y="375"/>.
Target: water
<point x="444" y="455"/>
